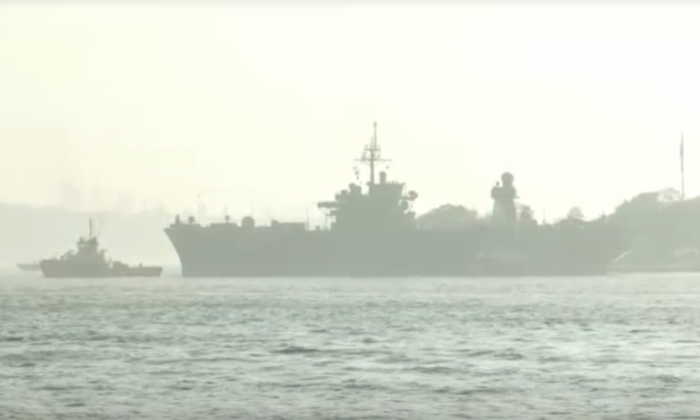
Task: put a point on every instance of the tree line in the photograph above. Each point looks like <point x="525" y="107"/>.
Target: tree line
<point x="654" y="221"/>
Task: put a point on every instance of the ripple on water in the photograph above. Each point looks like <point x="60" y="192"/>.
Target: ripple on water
<point x="349" y="349"/>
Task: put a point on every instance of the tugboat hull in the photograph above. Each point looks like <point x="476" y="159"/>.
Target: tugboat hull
<point x="61" y="269"/>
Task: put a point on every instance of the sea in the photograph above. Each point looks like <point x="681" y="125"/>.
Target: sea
<point x="615" y="347"/>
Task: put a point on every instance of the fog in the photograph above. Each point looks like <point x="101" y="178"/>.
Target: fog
<point x="262" y="110"/>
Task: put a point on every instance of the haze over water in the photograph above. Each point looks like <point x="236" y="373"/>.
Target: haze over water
<point x="591" y="348"/>
<point x="262" y="109"/>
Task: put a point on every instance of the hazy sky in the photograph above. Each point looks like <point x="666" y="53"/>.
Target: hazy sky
<point x="263" y="109"/>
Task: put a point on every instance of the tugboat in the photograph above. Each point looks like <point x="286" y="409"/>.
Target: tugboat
<point x="90" y="262"/>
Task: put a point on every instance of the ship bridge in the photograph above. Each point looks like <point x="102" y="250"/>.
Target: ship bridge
<point x="384" y="206"/>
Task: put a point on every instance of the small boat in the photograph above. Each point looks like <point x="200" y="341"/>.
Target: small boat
<point x="90" y="262"/>
<point x="29" y="267"/>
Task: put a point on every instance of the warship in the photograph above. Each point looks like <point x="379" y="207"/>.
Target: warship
<point x="374" y="233"/>
<point x="89" y="261"/>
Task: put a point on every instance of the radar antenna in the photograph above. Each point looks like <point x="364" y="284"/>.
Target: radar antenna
<point x="372" y="154"/>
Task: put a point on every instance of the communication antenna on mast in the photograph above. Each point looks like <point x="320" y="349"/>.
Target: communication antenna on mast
<point x="372" y="154"/>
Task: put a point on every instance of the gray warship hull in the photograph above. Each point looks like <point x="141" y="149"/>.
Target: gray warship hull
<point x="217" y="251"/>
<point x="374" y="233"/>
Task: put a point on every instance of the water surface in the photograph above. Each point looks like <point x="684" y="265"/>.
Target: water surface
<point x="173" y="348"/>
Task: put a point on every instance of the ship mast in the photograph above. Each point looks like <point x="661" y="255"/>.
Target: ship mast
<point x="372" y="154"/>
<point x="682" y="168"/>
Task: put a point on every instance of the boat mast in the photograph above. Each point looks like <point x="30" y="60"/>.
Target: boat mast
<point x="682" y="168"/>
<point x="372" y="154"/>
